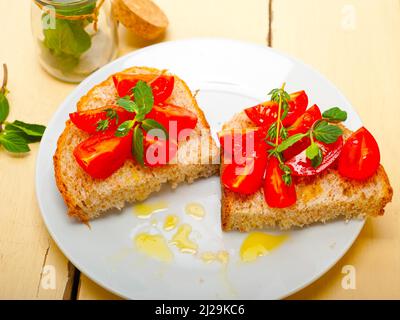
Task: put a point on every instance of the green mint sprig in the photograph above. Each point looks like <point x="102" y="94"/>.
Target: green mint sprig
<point x="322" y="130"/>
<point x="141" y="106"/>
<point x="15" y="136"/>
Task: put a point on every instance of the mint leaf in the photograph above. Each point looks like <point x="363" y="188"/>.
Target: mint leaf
<point x="69" y="38"/>
<point x="13" y="142"/>
<point x="314" y="153"/>
<point x="316" y="162"/>
<point x="335" y="114"/>
<point x="290" y="141"/>
<point x="63" y="45"/>
<point x="10" y="128"/>
<point x="144" y="99"/>
<point x="150" y="124"/>
<point x="33" y="130"/>
<point x="137" y="145"/>
<point x="326" y="132"/>
<point x="124" y="128"/>
<point x="128" y="104"/>
<point x="4" y="107"/>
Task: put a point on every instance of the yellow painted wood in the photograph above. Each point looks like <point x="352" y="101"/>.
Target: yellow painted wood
<point x="355" y="43"/>
<point x="89" y="290"/>
<point x="236" y="19"/>
<point x="25" y="245"/>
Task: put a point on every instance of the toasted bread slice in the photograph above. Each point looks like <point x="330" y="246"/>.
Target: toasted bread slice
<point x="320" y="198"/>
<point x="87" y="198"/>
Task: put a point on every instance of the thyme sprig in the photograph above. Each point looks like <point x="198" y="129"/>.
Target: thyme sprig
<point x="323" y="130"/>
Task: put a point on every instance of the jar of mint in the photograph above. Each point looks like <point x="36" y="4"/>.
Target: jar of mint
<point x="74" y="37"/>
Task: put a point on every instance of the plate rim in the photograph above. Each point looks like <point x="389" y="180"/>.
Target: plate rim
<point x="41" y="153"/>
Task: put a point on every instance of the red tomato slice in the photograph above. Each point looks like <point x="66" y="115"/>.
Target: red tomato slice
<point x="124" y="83"/>
<point x="302" y="125"/>
<point x="301" y="165"/>
<point x="246" y="178"/>
<point x="158" y="152"/>
<point x="102" y="154"/>
<point x="277" y="193"/>
<point x="236" y="141"/>
<point x="304" y="122"/>
<point x="162" y="86"/>
<point x="87" y="120"/>
<point x="360" y="156"/>
<point x="266" y="113"/>
<point x="173" y="118"/>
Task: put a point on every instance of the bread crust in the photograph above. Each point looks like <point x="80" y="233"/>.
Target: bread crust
<point x="321" y="198"/>
<point x="74" y="205"/>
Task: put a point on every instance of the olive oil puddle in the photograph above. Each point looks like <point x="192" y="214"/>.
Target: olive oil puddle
<point x="258" y="244"/>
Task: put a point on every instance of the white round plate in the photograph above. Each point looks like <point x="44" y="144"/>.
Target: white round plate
<point x="230" y="75"/>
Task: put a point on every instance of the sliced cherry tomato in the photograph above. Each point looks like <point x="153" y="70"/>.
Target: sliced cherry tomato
<point x="171" y="117"/>
<point x="246" y="178"/>
<point x="302" y="125"/>
<point x="162" y="86"/>
<point x="102" y="154"/>
<point x="158" y="152"/>
<point x="236" y="141"/>
<point x="301" y="165"/>
<point x="125" y="82"/>
<point x="304" y="122"/>
<point x="88" y="120"/>
<point x="266" y="113"/>
<point x="360" y="156"/>
<point x="277" y="193"/>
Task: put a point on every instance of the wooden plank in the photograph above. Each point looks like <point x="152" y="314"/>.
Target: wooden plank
<point x="355" y="43"/>
<point x="237" y="19"/>
<point x="25" y="245"/>
<point x="89" y="290"/>
<point x="192" y="18"/>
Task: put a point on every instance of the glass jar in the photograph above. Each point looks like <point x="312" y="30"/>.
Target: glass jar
<point x="74" y="37"/>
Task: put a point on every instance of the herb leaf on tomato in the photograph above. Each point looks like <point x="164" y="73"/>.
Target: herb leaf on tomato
<point x="314" y="153"/>
<point x="335" y="114"/>
<point x="124" y="128"/>
<point x="151" y="124"/>
<point x="102" y="125"/>
<point x="128" y="104"/>
<point x="290" y="141"/>
<point x="287" y="174"/>
<point x="327" y="133"/>
<point x="144" y="99"/>
<point x="137" y="145"/>
<point x="112" y="114"/>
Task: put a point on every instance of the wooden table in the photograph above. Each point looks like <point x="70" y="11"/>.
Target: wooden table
<point x="355" y="43"/>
